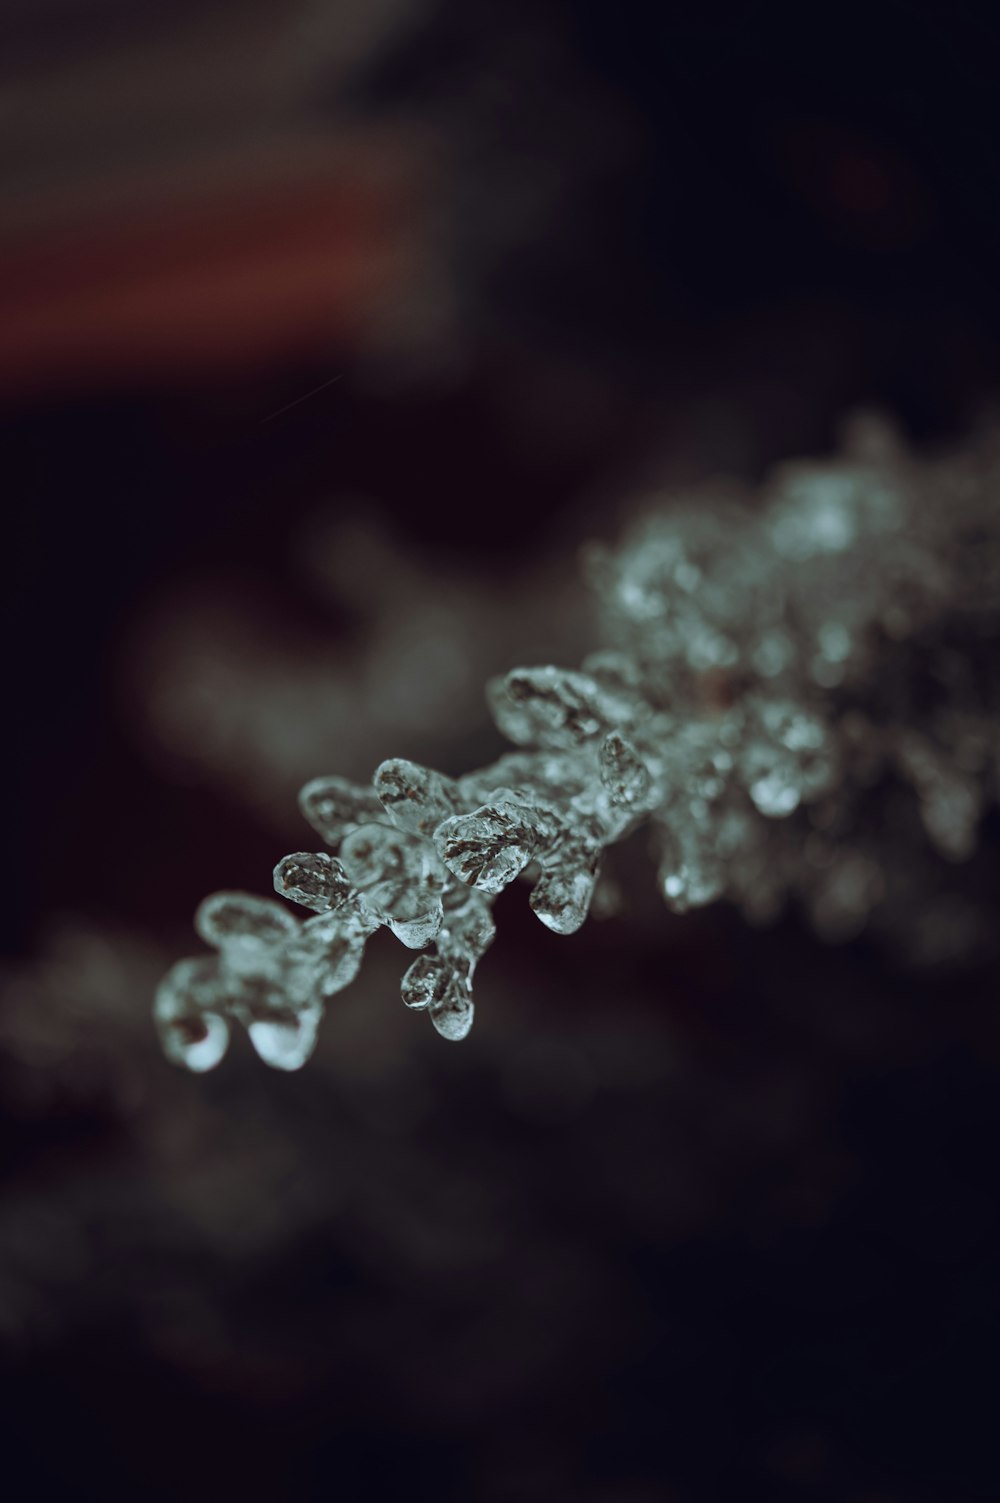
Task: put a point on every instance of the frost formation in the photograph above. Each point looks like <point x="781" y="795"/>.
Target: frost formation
<point x="794" y="686"/>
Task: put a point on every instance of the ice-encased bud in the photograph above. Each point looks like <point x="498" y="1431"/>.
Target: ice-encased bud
<point x="191" y="1032"/>
<point x="314" y="879"/>
<point x="623" y="772"/>
<point x="489" y="847"/>
<point x="333" y="806"/>
<point x="415" y="797"/>
<point x="243" y="928"/>
<point x="554" y="707"/>
<point x="399" y="877"/>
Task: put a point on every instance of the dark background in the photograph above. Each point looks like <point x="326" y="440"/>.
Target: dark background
<point x="697" y="1213"/>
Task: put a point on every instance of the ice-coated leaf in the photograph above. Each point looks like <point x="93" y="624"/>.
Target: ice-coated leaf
<point x="314" y="879"/>
<point x="245" y="929"/>
<point x="381" y="855"/>
<point x="333" y="806"/>
<point x="489" y="847"/>
<point x="326" y="956"/>
<point x="623" y="772"/>
<point x="399" y="877"/>
<point x="414" y="796"/>
<point x="523" y="777"/>
<point x="554" y="707"/>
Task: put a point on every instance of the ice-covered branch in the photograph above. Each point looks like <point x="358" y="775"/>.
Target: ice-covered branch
<point x="794" y="686"/>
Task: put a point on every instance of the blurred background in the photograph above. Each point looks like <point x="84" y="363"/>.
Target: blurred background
<point x="329" y="332"/>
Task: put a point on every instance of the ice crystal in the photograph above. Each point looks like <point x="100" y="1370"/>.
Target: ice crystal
<point x="775" y="672"/>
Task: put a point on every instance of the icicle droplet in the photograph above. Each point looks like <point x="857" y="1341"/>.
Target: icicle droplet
<point x="333" y="806"/>
<point x="440" y="987"/>
<point x="453" y="1017"/>
<point x="191" y="1032"/>
<point x="623" y="772"/>
<point x="244" y="928"/>
<point x="561" y="896"/>
<point x="314" y="879"/>
<point x="489" y="847"/>
<point x="553" y="707"/>
<point x="414" y="796"/>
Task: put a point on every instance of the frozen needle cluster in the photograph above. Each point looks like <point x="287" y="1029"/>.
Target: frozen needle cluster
<point x="798" y="696"/>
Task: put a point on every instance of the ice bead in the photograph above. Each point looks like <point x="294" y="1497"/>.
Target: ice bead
<point x="333" y="806"/>
<point x="489" y="847"/>
<point x="554" y="707"/>
<point x="244" y="928"/>
<point x="191" y="1032"/>
<point x="622" y="770"/>
<point x="414" y="796"/>
<point x="314" y="879"/>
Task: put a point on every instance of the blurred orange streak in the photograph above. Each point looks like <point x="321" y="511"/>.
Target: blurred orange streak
<point x="195" y="285"/>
